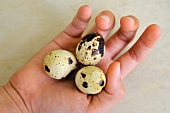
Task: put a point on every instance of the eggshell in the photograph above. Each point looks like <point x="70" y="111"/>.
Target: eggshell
<point x="90" y="49"/>
<point x="90" y="80"/>
<point x="59" y="63"/>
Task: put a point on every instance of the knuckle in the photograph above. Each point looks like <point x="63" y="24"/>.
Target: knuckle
<point x="134" y="56"/>
<point x="78" y="24"/>
<point x="124" y="36"/>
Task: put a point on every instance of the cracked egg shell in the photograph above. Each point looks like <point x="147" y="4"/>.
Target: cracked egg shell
<point x="59" y="63"/>
<point x="90" y="49"/>
<point x="90" y="80"/>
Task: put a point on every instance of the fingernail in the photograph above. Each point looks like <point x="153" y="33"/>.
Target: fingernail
<point x="131" y="20"/>
<point x="105" y="18"/>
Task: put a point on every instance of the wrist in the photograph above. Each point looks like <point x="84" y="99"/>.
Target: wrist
<point x="10" y="100"/>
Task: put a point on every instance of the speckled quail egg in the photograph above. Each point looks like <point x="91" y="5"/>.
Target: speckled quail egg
<point x="90" y="49"/>
<point x="59" y="63"/>
<point x="90" y="80"/>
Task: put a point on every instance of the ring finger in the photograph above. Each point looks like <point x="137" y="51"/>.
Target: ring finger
<point x="126" y="32"/>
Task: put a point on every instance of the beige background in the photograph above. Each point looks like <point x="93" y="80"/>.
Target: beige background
<point x="27" y="25"/>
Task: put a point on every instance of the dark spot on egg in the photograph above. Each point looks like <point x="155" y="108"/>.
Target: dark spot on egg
<point x="47" y="69"/>
<point x="83" y="75"/>
<point x="70" y="61"/>
<point x="101" y="46"/>
<point x="89" y="48"/>
<point x="76" y="64"/>
<point x="85" y="84"/>
<point x="80" y="45"/>
<point x="94" y="58"/>
<point x="90" y="36"/>
<point x="94" y="52"/>
<point x="101" y="83"/>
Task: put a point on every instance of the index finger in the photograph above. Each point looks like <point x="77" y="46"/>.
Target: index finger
<point x="71" y="35"/>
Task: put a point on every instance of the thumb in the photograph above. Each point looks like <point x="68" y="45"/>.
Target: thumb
<point x="114" y="83"/>
<point x="114" y="90"/>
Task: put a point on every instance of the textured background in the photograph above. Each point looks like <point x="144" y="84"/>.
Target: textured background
<point x="27" y="25"/>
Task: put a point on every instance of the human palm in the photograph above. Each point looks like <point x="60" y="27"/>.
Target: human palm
<point x="43" y="94"/>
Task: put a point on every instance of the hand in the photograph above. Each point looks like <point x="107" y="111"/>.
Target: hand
<point x="40" y="93"/>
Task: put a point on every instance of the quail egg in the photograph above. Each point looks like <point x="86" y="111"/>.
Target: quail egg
<point x="90" y="49"/>
<point x="59" y="63"/>
<point x="90" y="80"/>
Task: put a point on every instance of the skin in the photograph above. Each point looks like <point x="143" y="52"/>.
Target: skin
<point x="31" y="90"/>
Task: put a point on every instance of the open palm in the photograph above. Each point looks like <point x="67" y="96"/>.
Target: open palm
<point x="42" y="94"/>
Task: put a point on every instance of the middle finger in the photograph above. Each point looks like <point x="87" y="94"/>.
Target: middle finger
<point x="126" y="32"/>
<point x="104" y="23"/>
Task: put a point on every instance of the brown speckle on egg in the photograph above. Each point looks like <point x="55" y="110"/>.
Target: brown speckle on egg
<point x="76" y="64"/>
<point x="89" y="48"/>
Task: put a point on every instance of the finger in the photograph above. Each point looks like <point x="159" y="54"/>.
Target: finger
<point x="104" y="23"/>
<point x="114" y="90"/>
<point x="72" y="33"/>
<point x="67" y="39"/>
<point x="126" y="32"/>
<point x="113" y="79"/>
<point x="138" y="52"/>
<point x="79" y="23"/>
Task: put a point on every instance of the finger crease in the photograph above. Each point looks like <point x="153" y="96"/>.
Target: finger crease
<point x="145" y="44"/>
<point x="83" y="20"/>
<point x="109" y="92"/>
<point x="77" y="26"/>
<point x="22" y="99"/>
<point x="134" y="55"/>
<point x="99" y="99"/>
<point x="57" y="44"/>
<point x="122" y="37"/>
<point x="69" y="35"/>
